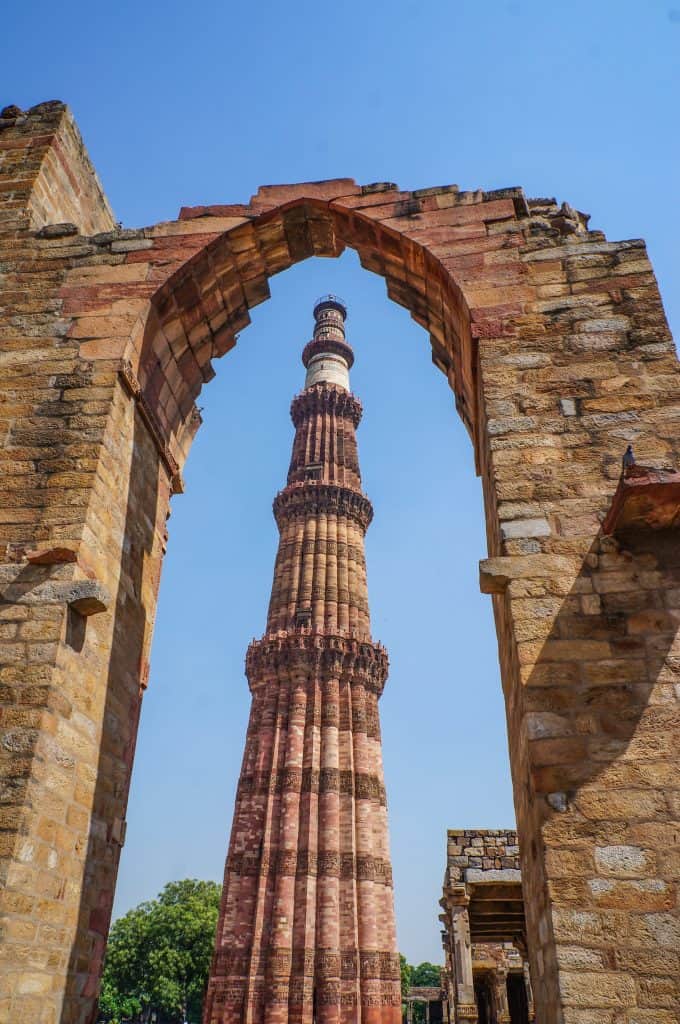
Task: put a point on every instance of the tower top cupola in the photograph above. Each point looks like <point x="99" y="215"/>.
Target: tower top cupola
<point x="328" y="356"/>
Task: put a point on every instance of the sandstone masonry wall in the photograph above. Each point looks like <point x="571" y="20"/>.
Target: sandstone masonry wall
<point x="556" y="347"/>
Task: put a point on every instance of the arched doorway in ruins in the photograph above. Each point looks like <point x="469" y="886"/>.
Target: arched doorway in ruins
<point x="556" y="347"/>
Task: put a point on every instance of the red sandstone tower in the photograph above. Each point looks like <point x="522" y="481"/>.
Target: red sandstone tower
<point x="306" y="930"/>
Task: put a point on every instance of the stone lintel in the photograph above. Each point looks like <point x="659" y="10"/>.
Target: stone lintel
<point x="645" y="499"/>
<point x="482" y="876"/>
<point x="424" y="994"/>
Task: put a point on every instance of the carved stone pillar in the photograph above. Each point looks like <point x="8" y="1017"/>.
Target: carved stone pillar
<point x="409" y="1012"/>
<point x="531" y="1012"/>
<point x="466" y="1007"/>
<point x="500" y="995"/>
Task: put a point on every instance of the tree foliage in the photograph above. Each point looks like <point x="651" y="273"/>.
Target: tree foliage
<point x="427" y="975"/>
<point x="158" y="956"/>
<point x="406" y="972"/>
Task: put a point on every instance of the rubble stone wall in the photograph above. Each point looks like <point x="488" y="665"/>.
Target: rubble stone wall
<point x="480" y="849"/>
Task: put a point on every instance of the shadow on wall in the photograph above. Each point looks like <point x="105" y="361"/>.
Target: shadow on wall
<point x="586" y="708"/>
<point x="121" y="718"/>
<point x="583" y="704"/>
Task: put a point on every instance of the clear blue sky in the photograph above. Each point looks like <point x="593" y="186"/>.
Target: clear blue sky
<point x="187" y="103"/>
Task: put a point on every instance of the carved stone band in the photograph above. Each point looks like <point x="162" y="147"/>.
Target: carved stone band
<point x="360" y="785"/>
<point x="315" y="656"/>
<point x="308" y="862"/>
<point x="312" y="498"/>
<point x="322" y="964"/>
<point x="325" y="398"/>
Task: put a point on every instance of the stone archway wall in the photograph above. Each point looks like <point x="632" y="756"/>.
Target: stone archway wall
<point x="555" y="344"/>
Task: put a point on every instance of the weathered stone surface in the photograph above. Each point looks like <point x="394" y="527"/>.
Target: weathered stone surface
<point x="524" y="308"/>
<point x="57" y="230"/>
<point x="646" y="498"/>
<point x="86" y="596"/>
<point x="496" y="573"/>
<point x="493" y="875"/>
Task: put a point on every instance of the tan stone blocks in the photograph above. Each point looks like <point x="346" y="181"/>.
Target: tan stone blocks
<point x="567" y="359"/>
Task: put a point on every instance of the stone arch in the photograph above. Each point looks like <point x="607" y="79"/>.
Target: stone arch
<point x="556" y="345"/>
<point x="198" y="311"/>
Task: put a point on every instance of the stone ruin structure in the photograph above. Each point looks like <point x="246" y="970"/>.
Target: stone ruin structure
<point x="557" y="351"/>
<point x="306" y="929"/>
<point x="502" y="990"/>
<point x="486" y="970"/>
<point x="433" y="1004"/>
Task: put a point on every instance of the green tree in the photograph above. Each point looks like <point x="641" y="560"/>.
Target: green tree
<point x="406" y="971"/>
<point x="158" y="956"/>
<point x="427" y="975"/>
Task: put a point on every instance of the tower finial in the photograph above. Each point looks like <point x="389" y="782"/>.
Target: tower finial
<point x="328" y="356"/>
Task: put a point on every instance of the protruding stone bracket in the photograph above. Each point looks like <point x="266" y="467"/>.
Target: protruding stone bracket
<point x="495" y="574"/>
<point x="87" y="597"/>
<point x="645" y="499"/>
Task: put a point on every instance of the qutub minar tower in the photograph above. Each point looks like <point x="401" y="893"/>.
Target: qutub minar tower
<point x="306" y="931"/>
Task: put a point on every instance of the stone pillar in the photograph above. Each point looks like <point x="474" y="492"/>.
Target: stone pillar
<point x="409" y="1011"/>
<point x="466" y="1007"/>
<point x="531" y="1011"/>
<point x="500" y="995"/>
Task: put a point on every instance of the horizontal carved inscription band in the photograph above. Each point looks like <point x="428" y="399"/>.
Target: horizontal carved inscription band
<point x="375" y="991"/>
<point x="311" y="862"/>
<point x="360" y="785"/>
<point x="319" y="713"/>
<point x="297" y="993"/>
<point x="281" y="961"/>
<point x="323" y="546"/>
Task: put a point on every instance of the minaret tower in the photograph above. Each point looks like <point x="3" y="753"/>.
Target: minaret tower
<point x="306" y="932"/>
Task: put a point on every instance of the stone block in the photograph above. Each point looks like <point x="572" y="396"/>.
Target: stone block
<point x="623" y="861"/>
<point x="495" y="574"/>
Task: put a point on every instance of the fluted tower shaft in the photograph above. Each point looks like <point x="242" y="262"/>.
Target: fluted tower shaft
<point x="306" y="930"/>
